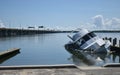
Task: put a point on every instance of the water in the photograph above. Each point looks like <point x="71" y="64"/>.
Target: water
<point x="44" y="49"/>
<point x="41" y="49"/>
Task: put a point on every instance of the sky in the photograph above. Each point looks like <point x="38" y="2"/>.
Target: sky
<point x="67" y="14"/>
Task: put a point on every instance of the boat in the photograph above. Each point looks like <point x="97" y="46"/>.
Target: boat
<point x="82" y="58"/>
<point x="88" y="41"/>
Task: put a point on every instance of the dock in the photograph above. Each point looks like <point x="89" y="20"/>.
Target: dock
<point x="8" y="52"/>
<point x="64" y="69"/>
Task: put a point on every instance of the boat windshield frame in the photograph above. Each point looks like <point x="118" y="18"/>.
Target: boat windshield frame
<point x="86" y="37"/>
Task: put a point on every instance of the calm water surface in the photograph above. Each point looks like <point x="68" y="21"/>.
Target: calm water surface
<point x="37" y="49"/>
<point x="42" y="49"/>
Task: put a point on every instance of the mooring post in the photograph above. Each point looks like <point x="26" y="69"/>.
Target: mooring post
<point x="106" y="38"/>
<point x="110" y="39"/>
<point x="114" y="41"/>
<point x="119" y="43"/>
<point x="103" y="38"/>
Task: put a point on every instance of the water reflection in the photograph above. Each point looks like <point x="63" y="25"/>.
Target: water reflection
<point x="115" y="57"/>
<point x="82" y="58"/>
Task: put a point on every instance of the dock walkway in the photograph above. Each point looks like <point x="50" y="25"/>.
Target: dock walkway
<point x="57" y="70"/>
<point x="7" y="52"/>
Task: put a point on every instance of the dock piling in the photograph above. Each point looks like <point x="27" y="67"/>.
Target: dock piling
<point x="110" y="39"/>
<point x="114" y="41"/>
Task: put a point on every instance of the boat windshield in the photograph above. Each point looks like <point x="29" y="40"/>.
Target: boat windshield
<point x="88" y="36"/>
<point x="81" y="41"/>
<point x="91" y="34"/>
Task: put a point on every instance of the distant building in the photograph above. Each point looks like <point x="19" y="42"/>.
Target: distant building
<point x="40" y="26"/>
<point x="31" y="27"/>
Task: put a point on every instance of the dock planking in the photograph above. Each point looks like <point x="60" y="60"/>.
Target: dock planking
<point x="8" y="52"/>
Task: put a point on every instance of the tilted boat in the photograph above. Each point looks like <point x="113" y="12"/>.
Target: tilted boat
<point x="86" y="40"/>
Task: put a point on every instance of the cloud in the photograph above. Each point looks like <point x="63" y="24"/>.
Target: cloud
<point x="104" y="23"/>
<point x="1" y="24"/>
<point x="98" y="21"/>
<point x="65" y="28"/>
<point x="113" y="23"/>
<point x="88" y="26"/>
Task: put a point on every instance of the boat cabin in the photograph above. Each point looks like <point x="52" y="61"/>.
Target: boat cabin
<point x="87" y="40"/>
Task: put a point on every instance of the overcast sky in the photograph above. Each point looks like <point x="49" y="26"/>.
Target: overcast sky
<point x="91" y="14"/>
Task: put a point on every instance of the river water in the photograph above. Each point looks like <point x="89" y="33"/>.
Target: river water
<point x="42" y="49"/>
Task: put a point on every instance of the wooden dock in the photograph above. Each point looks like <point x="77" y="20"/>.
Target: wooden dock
<point x="8" y="52"/>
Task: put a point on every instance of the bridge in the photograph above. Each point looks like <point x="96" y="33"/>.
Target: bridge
<point x="14" y="31"/>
